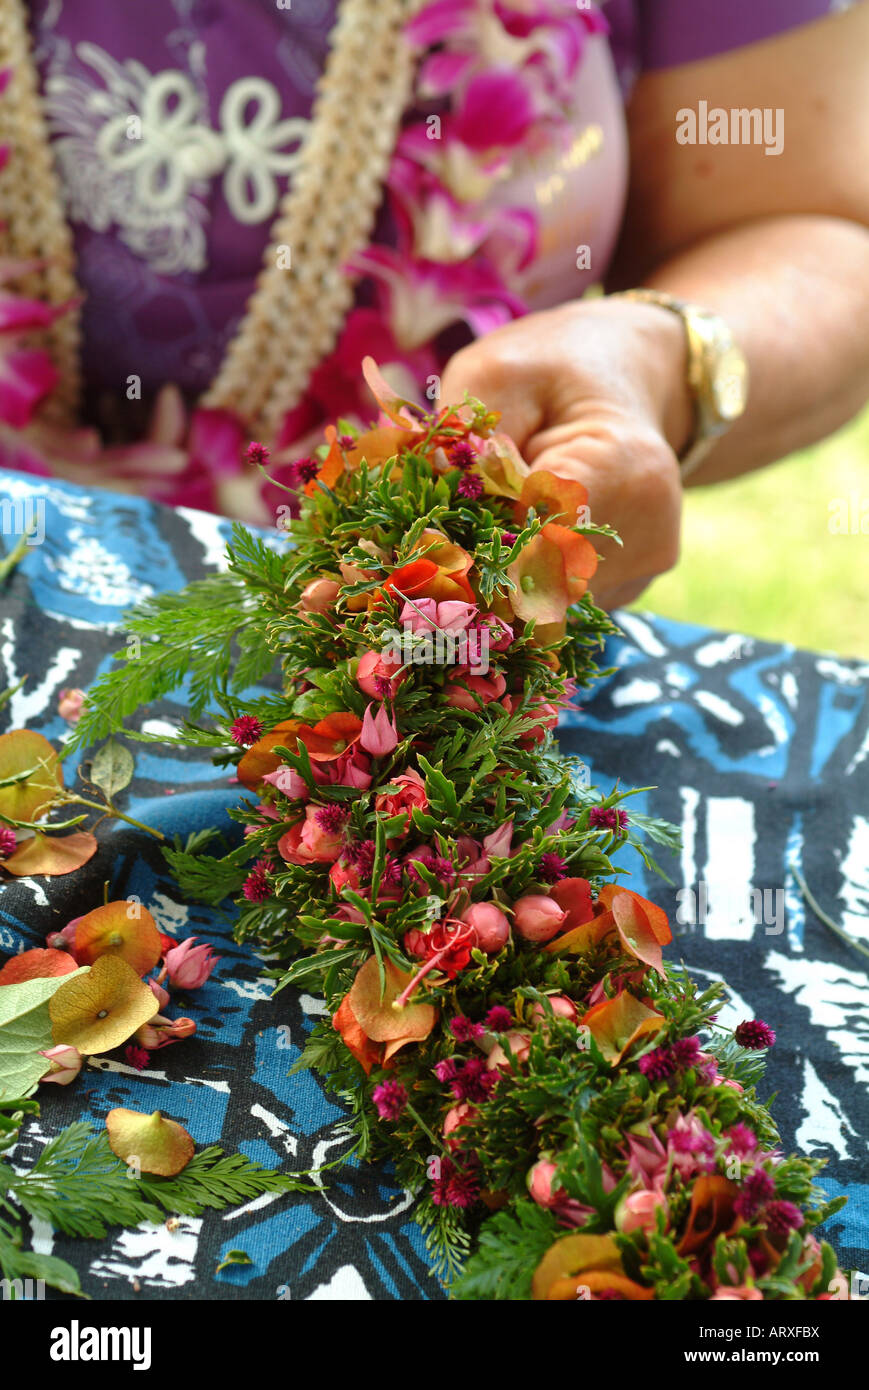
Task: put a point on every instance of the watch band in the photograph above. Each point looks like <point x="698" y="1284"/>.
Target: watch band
<point x="717" y="371"/>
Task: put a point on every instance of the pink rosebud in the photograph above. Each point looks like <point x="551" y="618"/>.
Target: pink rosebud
<point x="379" y="734"/>
<point x="459" y="1115"/>
<point x="537" y="918"/>
<point x="637" y="1211"/>
<point x="69" y="704"/>
<point x="319" y="596"/>
<point x="420" y="616"/>
<point x="410" y="792"/>
<point x="189" y="966"/>
<point x="539" y="1183"/>
<point x="491" y="926"/>
<point x="379" y="675"/>
<point x="343" y="874"/>
<point x="736" y="1293"/>
<point x="160" y="1032"/>
<point x="561" y="1006"/>
<point x="520" y="1046"/>
<point x="310" y="842"/>
<point x="65" y="1064"/>
<point x="500" y="635"/>
<point x="455" y="616"/>
<point x="485" y="688"/>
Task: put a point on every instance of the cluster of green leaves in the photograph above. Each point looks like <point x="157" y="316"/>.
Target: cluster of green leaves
<point x="82" y="1189"/>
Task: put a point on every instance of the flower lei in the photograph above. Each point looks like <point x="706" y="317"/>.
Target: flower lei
<point x="493" y="81"/>
<point x="501" y="1022"/>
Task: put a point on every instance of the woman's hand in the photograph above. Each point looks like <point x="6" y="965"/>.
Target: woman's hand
<point x="596" y="391"/>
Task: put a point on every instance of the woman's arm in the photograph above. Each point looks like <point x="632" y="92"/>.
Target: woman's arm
<point x="777" y="244"/>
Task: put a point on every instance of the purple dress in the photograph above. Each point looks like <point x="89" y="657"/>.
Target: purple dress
<point x="171" y="217"/>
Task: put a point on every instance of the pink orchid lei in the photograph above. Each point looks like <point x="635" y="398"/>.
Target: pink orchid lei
<point x="493" y="80"/>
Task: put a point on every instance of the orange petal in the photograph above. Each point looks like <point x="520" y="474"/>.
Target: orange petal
<point x="571" y="1255"/>
<point x="111" y="930"/>
<point x="541" y="593"/>
<point x="332" y="466"/>
<point x="330" y="737"/>
<point x="412" y="578"/>
<point x="20" y="750"/>
<point x="657" y="917"/>
<point x="582" y="937"/>
<point x="573" y="896"/>
<point x="52" y="855"/>
<point x="354" y="1037"/>
<point x="617" y="1023"/>
<point x="579" y="556"/>
<point x="552" y="496"/>
<point x="259" y="758"/>
<point x="502" y="467"/>
<point x="635" y="930"/>
<point x="377" y="1016"/>
<point x="389" y="401"/>
<point x="598" y="1281"/>
<point x="37" y="964"/>
<point x="710" y="1213"/>
<point x="378" y="445"/>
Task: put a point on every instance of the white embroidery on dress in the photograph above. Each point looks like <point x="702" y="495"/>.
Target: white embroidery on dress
<point x="138" y="153"/>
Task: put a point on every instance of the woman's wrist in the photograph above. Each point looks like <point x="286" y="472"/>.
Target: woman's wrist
<point x="659" y="360"/>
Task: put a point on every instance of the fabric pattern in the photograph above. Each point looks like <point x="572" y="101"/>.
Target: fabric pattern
<point x="759" y="752"/>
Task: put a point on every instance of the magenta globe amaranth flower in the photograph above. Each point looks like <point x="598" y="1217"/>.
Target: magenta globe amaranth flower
<point x="755" y="1034"/>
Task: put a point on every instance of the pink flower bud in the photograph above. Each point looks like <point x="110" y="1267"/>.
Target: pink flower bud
<point x="520" y="1046"/>
<point x="538" y="918"/>
<point x="160" y="1032"/>
<point x="636" y="1212"/>
<point x="189" y="966"/>
<point x="319" y="596"/>
<point x="491" y="926"/>
<point x="159" y="993"/>
<point x="459" y="1115"/>
<point x="379" y="734"/>
<point x="374" y="668"/>
<point x="69" y="703"/>
<point x="65" y="1064"/>
<point x="539" y="1182"/>
<point x="561" y="1006"/>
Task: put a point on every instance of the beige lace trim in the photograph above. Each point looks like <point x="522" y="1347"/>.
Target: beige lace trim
<point x="31" y="209"/>
<point x="302" y="296"/>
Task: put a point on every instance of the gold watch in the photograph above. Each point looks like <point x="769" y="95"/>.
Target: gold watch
<point x="717" y="372"/>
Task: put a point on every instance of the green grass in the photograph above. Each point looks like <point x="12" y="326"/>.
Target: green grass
<point x="758" y="555"/>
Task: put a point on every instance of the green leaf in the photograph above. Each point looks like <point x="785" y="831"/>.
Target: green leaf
<point x="18" y="1266"/>
<point x="112" y="768"/>
<point x="234" y="1257"/>
<point x="25" y="1031"/>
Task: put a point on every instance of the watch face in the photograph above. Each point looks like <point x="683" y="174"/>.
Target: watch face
<point x="730" y="384"/>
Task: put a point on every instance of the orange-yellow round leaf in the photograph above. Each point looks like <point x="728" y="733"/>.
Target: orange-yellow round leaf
<point x="119" y="929"/>
<point x="20" y="750"/>
<point x="52" y="855"/>
<point x="102" y="1009"/>
<point x="151" y="1142"/>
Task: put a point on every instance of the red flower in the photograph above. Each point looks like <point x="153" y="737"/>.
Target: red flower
<point x="450" y="941"/>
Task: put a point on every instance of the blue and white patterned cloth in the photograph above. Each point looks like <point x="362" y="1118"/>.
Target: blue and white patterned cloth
<point x="759" y="752"/>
